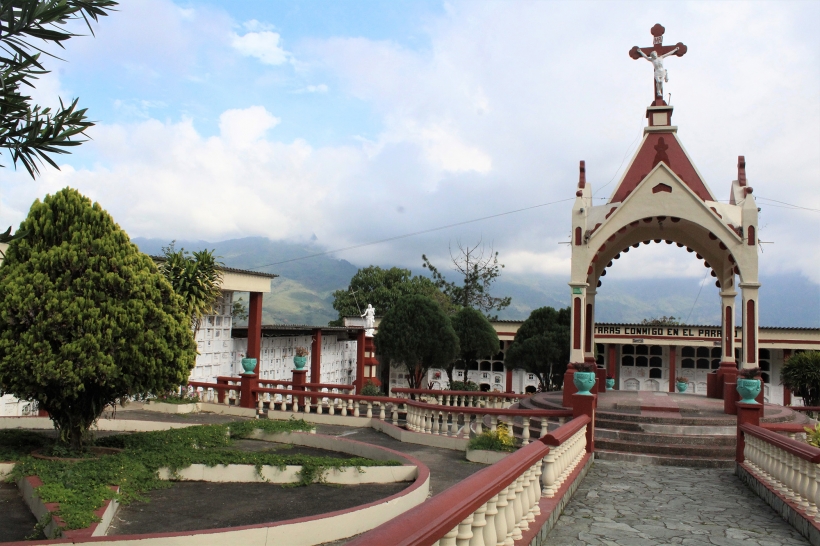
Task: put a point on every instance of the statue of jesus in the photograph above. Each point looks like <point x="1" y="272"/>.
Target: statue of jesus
<point x="369" y="317"/>
<point x="660" y="72"/>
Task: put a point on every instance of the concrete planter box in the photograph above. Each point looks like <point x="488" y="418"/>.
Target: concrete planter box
<point x="162" y="407"/>
<point x="484" y="456"/>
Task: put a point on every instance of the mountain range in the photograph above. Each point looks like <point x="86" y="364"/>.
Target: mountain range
<point x="303" y="291"/>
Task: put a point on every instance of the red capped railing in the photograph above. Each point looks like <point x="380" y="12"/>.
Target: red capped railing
<point x="494" y="505"/>
<point x="461" y="398"/>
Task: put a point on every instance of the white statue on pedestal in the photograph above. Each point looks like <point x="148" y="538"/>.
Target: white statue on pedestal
<point x="660" y="72"/>
<point x="369" y="317"/>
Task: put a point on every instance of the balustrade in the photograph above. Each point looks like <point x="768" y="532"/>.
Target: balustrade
<point x="787" y="466"/>
<point x="494" y="506"/>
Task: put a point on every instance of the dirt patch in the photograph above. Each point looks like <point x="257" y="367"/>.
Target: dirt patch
<point x="188" y="506"/>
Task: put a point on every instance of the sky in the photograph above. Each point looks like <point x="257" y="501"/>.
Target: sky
<point x="346" y="122"/>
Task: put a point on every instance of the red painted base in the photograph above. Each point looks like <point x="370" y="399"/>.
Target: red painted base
<point x="730" y="398"/>
<point x="747" y="414"/>
<point x="569" y="387"/>
<point x="583" y="404"/>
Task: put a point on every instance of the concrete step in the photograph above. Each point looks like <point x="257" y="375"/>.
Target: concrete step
<point x="676" y="439"/>
<point x="685" y="430"/>
<point x="670" y="450"/>
<point x="663" y="460"/>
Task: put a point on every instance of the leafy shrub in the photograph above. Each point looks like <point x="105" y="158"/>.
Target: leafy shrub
<point x="464" y="386"/>
<point x="801" y="375"/>
<point x="86" y="319"/>
<point x="370" y="389"/>
<point x="500" y="440"/>
<point x="749" y="373"/>
<point x="813" y="435"/>
<point x="174" y="398"/>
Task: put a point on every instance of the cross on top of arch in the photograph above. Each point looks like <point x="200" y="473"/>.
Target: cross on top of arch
<point x="655" y="54"/>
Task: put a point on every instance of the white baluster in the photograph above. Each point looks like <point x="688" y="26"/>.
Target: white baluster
<point x="501" y="517"/>
<point x="450" y="538"/>
<point x="509" y="540"/>
<point x="478" y="525"/>
<point x="369" y="410"/>
<point x="490" y="530"/>
<point x="548" y="475"/>
<point x="525" y="433"/>
<point x="465" y="532"/>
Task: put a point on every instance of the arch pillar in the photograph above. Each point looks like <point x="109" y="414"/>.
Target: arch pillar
<point x="577" y="337"/>
<point x="728" y="366"/>
<point x="748" y="354"/>
<point x="589" y="326"/>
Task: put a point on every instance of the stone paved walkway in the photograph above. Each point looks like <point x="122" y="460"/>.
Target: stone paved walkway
<point x="649" y="505"/>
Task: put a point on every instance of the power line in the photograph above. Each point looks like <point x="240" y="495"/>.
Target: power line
<point x="697" y="297"/>
<point x="788" y="204"/>
<point x="406" y="235"/>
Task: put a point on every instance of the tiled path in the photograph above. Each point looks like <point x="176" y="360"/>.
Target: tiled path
<point x="618" y="505"/>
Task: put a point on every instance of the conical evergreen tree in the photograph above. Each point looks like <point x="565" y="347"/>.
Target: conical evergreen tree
<point x="86" y="319"/>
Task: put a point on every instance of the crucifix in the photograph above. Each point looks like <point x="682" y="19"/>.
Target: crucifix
<point x="655" y="55"/>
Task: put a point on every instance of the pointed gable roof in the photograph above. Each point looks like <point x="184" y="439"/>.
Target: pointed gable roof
<point x="657" y="147"/>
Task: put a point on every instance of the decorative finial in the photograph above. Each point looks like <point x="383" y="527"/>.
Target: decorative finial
<point x="655" y="55"/>
<point x="741" y="170"/>
<point x="582" y="176"/>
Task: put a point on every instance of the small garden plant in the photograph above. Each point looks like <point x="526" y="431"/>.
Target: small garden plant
<point x="464" y="386"/>
<point x="371" y="389"/>
<point x="175" y="398"/>
<point x="587" y="367"/>
<point x="682" y="379"/>
<point x="500" y="440"/>
<point x="301" y="351"/>
<point x="83" y="487"/>
<point x="813" y="435"/>
<point x="749" y="373"/>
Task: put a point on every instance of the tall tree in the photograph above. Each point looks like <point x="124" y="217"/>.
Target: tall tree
<point x="416" y="334"/>
<point x="30" y="132"/>
<point x="801" y="375"/>
<point x="86" y="319"/>
<point x="541" y="346"/>
<point x="476" y="337"/>
<point x="196" y="278"/>
<point x="478" y="269"/>
<point x="382" y="288"/>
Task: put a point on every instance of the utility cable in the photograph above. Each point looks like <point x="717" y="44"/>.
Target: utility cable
<point x="787" y="204"/>
<point x="406" y="235"/>
<point x="698" y="296"/>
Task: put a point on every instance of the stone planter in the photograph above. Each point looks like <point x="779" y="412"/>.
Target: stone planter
<point x="485" y="456"/>
<point x="249" y="365"/>
<point x="682" y="386"/>
<point x="748" y="390"/>
<point x="163" y="407"/>
<point x="584" y="381"/>
<point x="610" y="383"/>
<point x="299" y="362"/>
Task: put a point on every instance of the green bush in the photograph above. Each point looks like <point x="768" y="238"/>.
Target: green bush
<point x="801" y="375"/>
<point x="500" y="440"/>
<point x="86" y="319"/>
<point x="464" y="386"/>
<point x="370" y="389"/>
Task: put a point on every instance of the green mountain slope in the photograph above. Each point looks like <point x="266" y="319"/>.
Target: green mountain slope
<point x="303" y="292"/>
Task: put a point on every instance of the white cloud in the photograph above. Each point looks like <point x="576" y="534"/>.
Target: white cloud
<point x="321" y="88"/>
<point x="241" y="128"/>
<point x="263" y="45"/>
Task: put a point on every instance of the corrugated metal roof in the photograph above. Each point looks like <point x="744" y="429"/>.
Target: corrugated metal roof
<point x="230" y="269"/>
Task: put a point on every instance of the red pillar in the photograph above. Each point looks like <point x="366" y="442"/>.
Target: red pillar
<point x="730" y="396"/>
<point x="360" y="343"/>
<point x="747" y="414"/>
<point x="610" y="363"/>
<point x="316" y="357"/>
<point x="673" y="372"/>
<point x="584" y="404"/>
<point x="299" y="380"/>
<point x="255" y="329"/>
<point x="247" y="384"/>
<point x="509" y="381"/>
